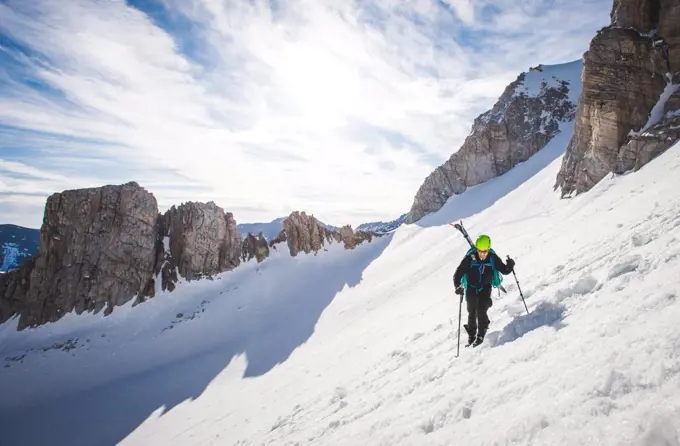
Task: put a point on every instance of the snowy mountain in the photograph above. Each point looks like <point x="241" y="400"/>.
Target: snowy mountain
<point x="17" y="244"/>
<point x="363" y="345"/>
<point x="365" y="353"/>
<point x="532" y="111"/>
<point x="271" y="229"/>
<point x="381" y="227"/>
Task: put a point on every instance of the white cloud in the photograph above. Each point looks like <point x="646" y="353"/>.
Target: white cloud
<point x="335" y="107"/>
<point x="465" y="10"/>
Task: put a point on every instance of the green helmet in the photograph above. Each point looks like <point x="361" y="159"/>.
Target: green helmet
<point x="483" y="243"/>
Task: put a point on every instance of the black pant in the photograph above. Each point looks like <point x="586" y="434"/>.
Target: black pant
<point x="478" y="303"/>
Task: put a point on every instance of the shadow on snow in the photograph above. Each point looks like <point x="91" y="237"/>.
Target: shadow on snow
<point x="545" y="314"/>
<point x="277" y="316"/>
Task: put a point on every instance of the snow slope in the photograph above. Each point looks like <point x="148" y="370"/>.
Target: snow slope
<point x="359" y="347"/>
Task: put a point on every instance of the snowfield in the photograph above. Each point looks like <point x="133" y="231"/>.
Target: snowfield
<point x="359" y="347"/>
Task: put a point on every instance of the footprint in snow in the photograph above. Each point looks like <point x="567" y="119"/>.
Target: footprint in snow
<point x="640" y="239"/>
<point x="339" y="395"/>
<point x="466" y="411"/>
<point x="625" y="266"/>
<point x="584" y="285"/>
<point x="400" y="354"/>
<point x="427" y="426"/>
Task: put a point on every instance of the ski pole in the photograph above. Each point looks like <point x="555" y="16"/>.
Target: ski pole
<point x="520" y="290"/>
<point x="460" y="310"/>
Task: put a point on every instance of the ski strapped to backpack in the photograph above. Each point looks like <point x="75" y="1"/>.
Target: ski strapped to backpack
<point x="497" y="277"/>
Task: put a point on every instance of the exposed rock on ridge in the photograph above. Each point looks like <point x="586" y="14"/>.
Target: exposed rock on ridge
<point x="97" y="249"/>
<point x="304" y="233"/>
<point x="623" y="120"/>
<point x="203" y="240"/>
<point x="254" y="247"/>
<point x="102" y="247"/>
<point x="524" y="119"/>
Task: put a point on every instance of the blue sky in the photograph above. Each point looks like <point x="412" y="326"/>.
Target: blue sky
<point x="337" y="107"/>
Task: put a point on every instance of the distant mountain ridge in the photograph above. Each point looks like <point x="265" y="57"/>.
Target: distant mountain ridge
<point x="380" y="227"/>
<point x="17" y="244"/>
<point x="270" y="230"/>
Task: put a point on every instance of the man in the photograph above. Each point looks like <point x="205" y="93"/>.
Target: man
<point x="477" y="267"/>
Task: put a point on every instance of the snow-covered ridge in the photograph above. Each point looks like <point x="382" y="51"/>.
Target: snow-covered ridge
<point x="539" y="86"/>
<point x="540" y="78"/>
<point x="381" y="227"/>
<point x="530" y="113"/>
<point x="359" y="347"/>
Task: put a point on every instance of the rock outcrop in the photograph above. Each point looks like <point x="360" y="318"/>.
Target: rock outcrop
<point x="103" y="247"/>
<point x="623" y="120"/>
<point x="524" y="119"/>
<point x="97" y="249"/>
<point x="202" y="240"/>
<point x="304" y="233"/>
<point x="351" y="238"/>
<point x="254" y="247"/>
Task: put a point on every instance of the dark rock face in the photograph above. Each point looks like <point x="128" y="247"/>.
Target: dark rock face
<point x="304" y="233"/>
<point x="627" y="70"/>
<point x="197" y="239"/>
<point x="351" y="239"/>
<point x="103" y="247"/>
<point x="524" y="119"/>
<point x="254" y="247"/>
<point x="644" y="147"/>
<point x="639" y="14"/>
<point x="97" y="249"/>
<point x="14" y="291"/>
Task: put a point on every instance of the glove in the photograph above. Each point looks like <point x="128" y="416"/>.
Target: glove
<point x="460" y="290"/>
<point x="510" y="263"/>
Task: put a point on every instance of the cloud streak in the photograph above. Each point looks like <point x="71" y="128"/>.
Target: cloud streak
<point x="333" y="107"/>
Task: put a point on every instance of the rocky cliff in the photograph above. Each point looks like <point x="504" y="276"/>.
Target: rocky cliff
<point x="102" y="247"/>
<point x="254" y="247"/>
<point x="304" y="233"/>
<point x="628" y="112"/>
<point x="198" y="239"/>
<point x="97" y="249"/>
<point x="526" y="117"/>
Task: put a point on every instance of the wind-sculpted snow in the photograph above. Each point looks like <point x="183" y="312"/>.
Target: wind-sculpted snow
<point x="359" y="347"/>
